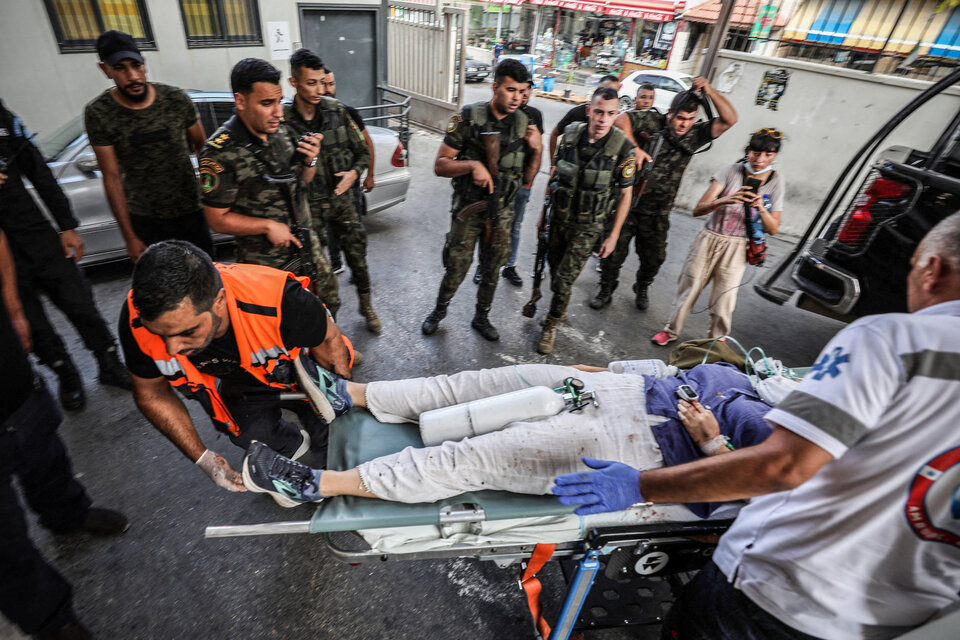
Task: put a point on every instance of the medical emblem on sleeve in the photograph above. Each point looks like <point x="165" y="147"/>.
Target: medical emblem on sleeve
<point x="933" y="504"/>
<point x="829" y="364"/>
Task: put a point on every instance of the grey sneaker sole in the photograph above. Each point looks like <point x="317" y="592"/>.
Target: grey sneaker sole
<point x="304" y="446"/>
<point x="321" y="406"/>
<point x="281" y="500"/>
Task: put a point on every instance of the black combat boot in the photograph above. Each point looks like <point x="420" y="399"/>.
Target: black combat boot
<point x="429" y="326"/>
<point x="642" y="301"/>
<point x="71" y="393"/>
<point x="604" y="296"/>
<point x="112" y="371"/>
<point x="482" y="324"/>
<point x="70" y="630"/>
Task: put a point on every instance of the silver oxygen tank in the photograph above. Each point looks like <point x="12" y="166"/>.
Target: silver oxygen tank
<point x="488" y="414"/>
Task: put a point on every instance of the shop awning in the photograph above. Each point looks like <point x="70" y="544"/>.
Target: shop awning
<point x="655" y="10"/>
<point x="574" y="5"/>
<point x="947" y="44"/>
<point x="743" y="16"/>
<point x="512" y="2"/>
<point x="828" y="23"/>
<point x="874" y="22"/>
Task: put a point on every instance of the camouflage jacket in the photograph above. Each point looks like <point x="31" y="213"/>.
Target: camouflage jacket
<point x="664" y="176"/>
<point x="463" y="134"/>
<point x="645" y="122"/>
<point x="343" y="147"/>
<point x="240" y="172"/>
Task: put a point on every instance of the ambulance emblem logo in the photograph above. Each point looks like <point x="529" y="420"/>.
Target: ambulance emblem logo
<point x="829" y="364"/>
<point x="933" y="504"/>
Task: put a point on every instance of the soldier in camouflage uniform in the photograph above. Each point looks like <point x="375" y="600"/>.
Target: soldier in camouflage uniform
<point x="343" y="159"/>
<point x="142" y="134"/>
<point x="246" y="168"/>
<point x="593" y="176"/>
<point x="461" y="157"/>
<point x="649" y="219"/>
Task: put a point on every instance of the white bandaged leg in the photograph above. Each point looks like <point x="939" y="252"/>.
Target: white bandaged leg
<point x="525" y="457"/>
<point x="404" y="400"/>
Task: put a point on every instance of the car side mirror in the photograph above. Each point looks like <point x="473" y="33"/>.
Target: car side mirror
<point x="87" y="162"/>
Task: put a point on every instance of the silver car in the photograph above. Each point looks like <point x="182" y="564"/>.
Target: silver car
<point x="74" y="165"/>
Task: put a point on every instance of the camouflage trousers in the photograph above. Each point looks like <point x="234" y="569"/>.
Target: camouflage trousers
<point x="340" y="213"/>
<point x="458" y="255"/>
<point x="570" y="248"/>
<point x="649" y="234"/>
<point x="324" y="285"/>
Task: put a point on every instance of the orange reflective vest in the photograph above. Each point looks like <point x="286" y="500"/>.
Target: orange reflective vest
<point x="254" y="295"/>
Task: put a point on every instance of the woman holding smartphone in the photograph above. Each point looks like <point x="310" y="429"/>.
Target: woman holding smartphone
<point x="719" y="253"/>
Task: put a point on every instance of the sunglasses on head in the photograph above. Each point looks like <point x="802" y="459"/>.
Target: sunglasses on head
<point x="776" y="134"/>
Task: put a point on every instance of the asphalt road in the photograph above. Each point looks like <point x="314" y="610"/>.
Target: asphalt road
<point x="164" y="580"/>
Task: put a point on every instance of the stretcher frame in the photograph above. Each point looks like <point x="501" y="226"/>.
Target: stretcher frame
<point x="585" y="552"/>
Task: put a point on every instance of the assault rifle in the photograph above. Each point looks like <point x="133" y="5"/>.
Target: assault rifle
<point x="655" y="144"/>
<point x="300" y="227"/>
<point x="489" y="207"/>
<point x="543" y="246"/>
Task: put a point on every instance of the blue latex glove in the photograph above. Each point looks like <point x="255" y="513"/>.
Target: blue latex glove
<point x="614" y="486"/>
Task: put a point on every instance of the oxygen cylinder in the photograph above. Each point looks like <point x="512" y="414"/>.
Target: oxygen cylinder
<point x="488" y="414"/>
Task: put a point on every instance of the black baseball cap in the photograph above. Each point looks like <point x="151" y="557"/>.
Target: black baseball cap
<point x="114" y="46"/>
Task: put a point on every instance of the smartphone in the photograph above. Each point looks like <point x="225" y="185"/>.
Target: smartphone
<point x="686" y="392"/>
<point x="753" y="184"/>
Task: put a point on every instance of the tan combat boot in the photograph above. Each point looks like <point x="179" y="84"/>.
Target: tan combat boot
<point x="366" y="310"/>
<point x="543" y="320"/>
<point x="549" y="335"/>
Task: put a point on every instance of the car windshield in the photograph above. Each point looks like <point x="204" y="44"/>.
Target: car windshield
<point x="52" y="144"/>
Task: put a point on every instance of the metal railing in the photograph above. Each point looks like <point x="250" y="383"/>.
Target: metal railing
<point x="391" y="111"/>
<point x="907" y="38"/>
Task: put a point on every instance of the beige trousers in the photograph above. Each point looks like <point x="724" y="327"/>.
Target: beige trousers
<point x="719" y="258"/>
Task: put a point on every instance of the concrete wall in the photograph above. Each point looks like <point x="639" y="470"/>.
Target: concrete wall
<point x="47" y="88"/>
<point x="827" y="115"/>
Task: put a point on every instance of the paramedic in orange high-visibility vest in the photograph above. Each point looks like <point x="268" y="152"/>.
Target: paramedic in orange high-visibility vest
<point x="215" y="333"/>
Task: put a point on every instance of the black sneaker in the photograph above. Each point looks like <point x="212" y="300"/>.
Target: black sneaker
<point x="266" y="471"/>
<point x="510" y="273"/>
<point x="70" y="391"/>
<point x="477" y="275"/>
<point x="327" y="391"/>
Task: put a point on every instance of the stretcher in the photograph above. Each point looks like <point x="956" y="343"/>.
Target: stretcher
<point x="640" y="554"/>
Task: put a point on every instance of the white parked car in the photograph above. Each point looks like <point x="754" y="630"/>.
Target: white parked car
<point x="667" y="84"/>
<point x="74" y="165"/>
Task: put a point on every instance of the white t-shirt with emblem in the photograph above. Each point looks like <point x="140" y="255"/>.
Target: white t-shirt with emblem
<point x="870" y="546"/>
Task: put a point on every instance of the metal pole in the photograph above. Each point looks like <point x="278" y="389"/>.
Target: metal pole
<point x="536" y="32"/>
<point x="716" y="39"/>
<point x="623" y="61"/>
<point x="556" y="34"/>
<point x="499" y="23"/>
<point x="896" y="23"/>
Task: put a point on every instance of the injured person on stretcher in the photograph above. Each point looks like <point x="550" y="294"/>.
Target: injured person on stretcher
<point x="638" y="420"/>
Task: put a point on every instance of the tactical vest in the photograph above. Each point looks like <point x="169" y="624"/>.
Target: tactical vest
<point x="337" y="127"/>
<point x="512" y="154"/>
<point x="254" y="295"/>
<point x="584" y="194"/>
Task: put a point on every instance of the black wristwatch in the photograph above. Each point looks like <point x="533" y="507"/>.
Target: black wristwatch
<point x="313" y="162"/>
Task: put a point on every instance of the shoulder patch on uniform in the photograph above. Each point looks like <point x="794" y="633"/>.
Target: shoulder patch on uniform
<point x="209" y="178"/>
<point x="455" y="121"/>
<point x="219" y="140"/>
<point x="628" y="167"/>
<point x="211" y="164"/>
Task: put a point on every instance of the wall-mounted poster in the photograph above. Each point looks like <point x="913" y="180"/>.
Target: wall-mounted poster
<point x="772" y="88"/>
